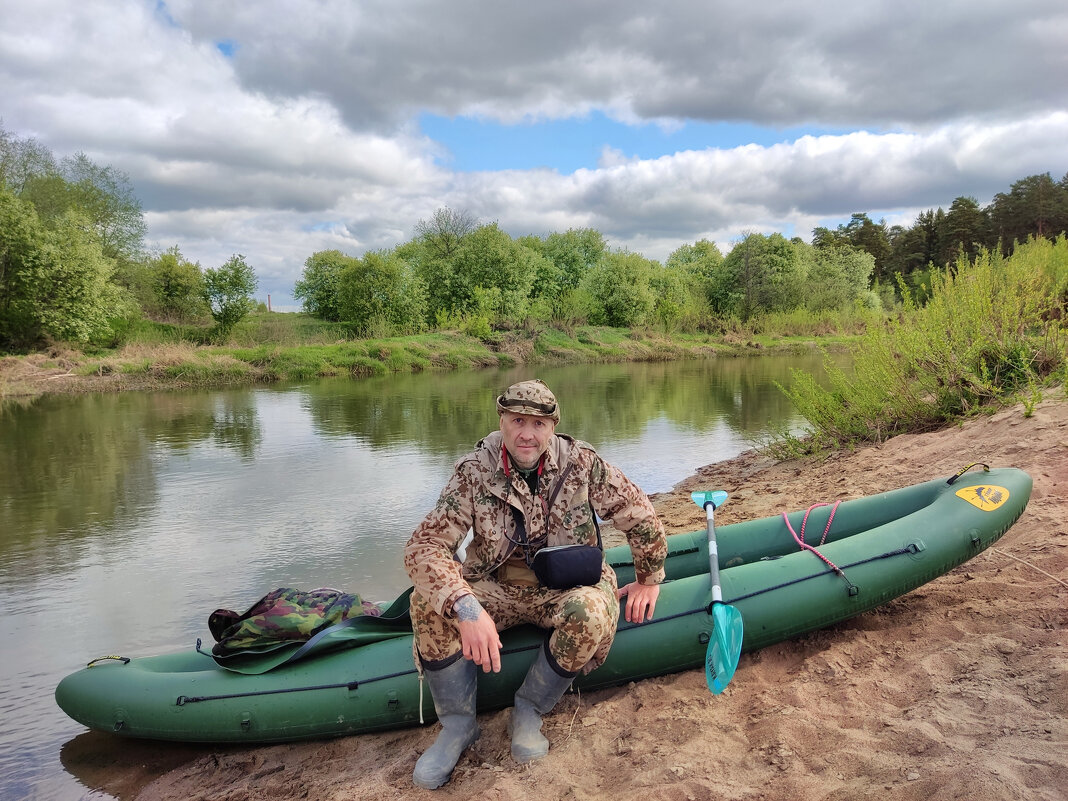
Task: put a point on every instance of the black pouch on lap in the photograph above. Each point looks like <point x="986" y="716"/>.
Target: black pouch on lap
<point x="562" y="567"/>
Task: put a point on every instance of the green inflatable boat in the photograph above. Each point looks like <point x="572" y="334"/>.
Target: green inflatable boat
<point x="360" y="677"/>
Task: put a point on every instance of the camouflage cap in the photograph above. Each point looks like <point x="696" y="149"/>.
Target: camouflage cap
<point x="529" y="397"/>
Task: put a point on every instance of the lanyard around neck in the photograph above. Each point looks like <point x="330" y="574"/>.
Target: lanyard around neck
<point x="506" y="459"/>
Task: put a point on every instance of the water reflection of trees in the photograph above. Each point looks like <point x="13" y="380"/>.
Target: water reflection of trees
<point x="69" y="463"/>
<point x="74" y="465"/>
<point x="230" y="419"/>
<point x="618" y="401"/>
<point x="434" y="411"/>
<point x="446" y="413"/>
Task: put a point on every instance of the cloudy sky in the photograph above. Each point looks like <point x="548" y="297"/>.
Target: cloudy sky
<point x="278" y="128"/>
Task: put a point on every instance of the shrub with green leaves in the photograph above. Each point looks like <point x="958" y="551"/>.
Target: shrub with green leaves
<point x="619" y="290"/>
<point x="380" y="291"/>
<point x="991" y="330"/>
<point x="54" y="281"/>
<point x="228" y="292"/>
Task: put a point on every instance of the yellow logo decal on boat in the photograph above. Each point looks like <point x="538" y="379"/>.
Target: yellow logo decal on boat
<point x="984" y="496"/>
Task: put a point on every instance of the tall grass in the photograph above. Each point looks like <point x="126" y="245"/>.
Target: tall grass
<point x="990" y="333"/>
<point x="805" y="323"/>
<point x="258" y="328"/>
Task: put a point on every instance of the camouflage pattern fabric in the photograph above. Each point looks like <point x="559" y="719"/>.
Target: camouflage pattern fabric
<point x="284" y="616"/>
<point x="583" y="620"/>
<point x="479" y="496"/>
<point x="529" y="397"/>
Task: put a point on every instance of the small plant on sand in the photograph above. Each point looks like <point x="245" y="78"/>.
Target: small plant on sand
<point x="1031" y="399"/>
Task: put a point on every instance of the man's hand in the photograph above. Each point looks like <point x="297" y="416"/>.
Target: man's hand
<point x="641" y="601"/>
<point x="478" y="634"/>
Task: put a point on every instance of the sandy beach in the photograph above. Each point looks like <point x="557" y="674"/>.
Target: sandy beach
<point x="958" y="690"/>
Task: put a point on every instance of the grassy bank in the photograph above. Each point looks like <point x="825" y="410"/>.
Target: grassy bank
<point x="292" y="347"/>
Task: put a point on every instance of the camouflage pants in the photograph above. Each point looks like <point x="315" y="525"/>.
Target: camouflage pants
<point x="582" y="620"/>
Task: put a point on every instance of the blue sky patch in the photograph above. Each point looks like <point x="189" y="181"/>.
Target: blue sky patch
<point x="571" y="144"/>
<point x="227" y="47"/>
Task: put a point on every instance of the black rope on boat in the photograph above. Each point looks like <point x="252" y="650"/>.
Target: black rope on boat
<point x="898" y="552"/>
<point x="665" y="619"/>
<point x="347" y="685"/>
<point x="679" y="552"/>
<point x="708" y="609"/>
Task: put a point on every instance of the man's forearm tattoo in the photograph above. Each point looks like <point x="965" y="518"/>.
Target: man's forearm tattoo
<point x="467" y="608"/>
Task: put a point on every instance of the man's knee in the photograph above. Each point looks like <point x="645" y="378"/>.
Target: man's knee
<point x="587" y="616"/>
<point x="585" y="621"/>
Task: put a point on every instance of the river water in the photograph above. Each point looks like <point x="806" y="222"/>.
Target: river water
<point x="125" y="519"/>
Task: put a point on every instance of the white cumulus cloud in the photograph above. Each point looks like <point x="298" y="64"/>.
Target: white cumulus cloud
<point x="275" y="129"/>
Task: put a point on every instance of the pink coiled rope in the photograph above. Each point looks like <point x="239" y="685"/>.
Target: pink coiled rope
<point x="800" y="540"/>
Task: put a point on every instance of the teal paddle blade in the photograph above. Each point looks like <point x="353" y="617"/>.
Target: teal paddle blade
<point x="724" y="648"/>
<point x="716" y="497"/>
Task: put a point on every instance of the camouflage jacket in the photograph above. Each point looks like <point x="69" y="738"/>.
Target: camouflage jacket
<point x="479" y="495"/>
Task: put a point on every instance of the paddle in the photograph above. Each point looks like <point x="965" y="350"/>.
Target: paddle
<point x="725" y="645"/>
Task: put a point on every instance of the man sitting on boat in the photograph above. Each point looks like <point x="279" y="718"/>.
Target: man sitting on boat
<point x="523" y="489"/>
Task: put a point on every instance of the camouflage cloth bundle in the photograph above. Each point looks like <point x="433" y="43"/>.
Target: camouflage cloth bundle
<point x="283" y="617"/>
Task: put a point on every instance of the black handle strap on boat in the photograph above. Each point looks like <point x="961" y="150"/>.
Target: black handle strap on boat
<point x="124" y="659"/>
<point x="953" y="479"/>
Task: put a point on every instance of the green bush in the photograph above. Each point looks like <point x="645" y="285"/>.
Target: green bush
<point x="990" y="331"/>
<point x="619" y="289"/>
<point x="54" y="280"/>
<point x="227" y="290"/>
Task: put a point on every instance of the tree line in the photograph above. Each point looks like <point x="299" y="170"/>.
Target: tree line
<point x="458" y="272"/>
<point x="1035" y="206"/>
<point x="73" y="262"/>
<point x="74" y="266"/>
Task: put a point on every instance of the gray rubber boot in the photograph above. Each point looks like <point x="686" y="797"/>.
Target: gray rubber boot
<point x="453" y="690"/>
<point x="544" y="685"/>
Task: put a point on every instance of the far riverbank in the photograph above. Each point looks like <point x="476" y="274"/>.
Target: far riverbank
<point x="182" y="365"/>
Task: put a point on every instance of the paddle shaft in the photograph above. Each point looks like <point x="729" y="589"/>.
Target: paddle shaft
<point x="713" y="552"/>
